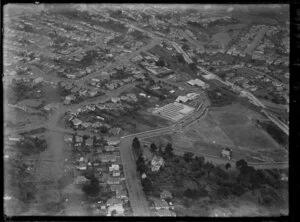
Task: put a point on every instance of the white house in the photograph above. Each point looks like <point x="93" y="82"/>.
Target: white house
<point x="156" y="163"/>
<point x="113" y="142"/>
<point x="114" y="167"/>
<point x="116" y="173"/>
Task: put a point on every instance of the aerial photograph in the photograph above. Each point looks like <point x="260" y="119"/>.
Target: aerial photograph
<point x="146" y="110"/>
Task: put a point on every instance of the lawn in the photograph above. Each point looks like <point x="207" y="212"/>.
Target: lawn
<point x="249" y="136"/>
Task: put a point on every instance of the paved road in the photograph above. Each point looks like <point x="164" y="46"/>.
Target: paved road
<point x="137" y="198"/>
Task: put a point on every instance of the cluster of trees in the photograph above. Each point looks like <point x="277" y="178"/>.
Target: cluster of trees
<point x="166" y="153"/>
<point x="30" y="146"/>
<point x="275" y="132"/>
<point x="192" y="168"/>
<point x="91" y="189"/>
<point x="19" y="91"/>
<point x="220" y="98"/>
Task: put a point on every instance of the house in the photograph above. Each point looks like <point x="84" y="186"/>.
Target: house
<point x="71" y="76"/>
<point x="109" y="148"/>
<point x="115" y="99"/>
<point x="69" y="98"/>
<point x="144" y="176"/>
<point x="76" y="122"/>
<point x="284" y="177"/>
<point x="122" y="194"/>
<point x="156" y="163"/>
<point x="164" y="213"/>
<point x="93" y="92"/>
<point x="80" y="180"/>
<point x="115" y="130"/>
<point x="51" y="106"/>
<point x="82" y="166"/>
<point x="132" y="97"/>
<point x="113" y="201"/>
<point x="86" y="124"/>
<point x="38" y="80"/>
<point x="113" y="180"/>
<point x="114" y="167"/>
<point x="96" y="125"/>
<point x="197" y="82"/>
<point x="116" y="173"/>
<point x="89" y="142"/>
<point x="100" y="117"/>
<point x="117" y="208"/>
<point x="143" y="94"/>
<point x="166" y="195"/>
<point x="226" y="153"/>
<point x="83" y="92"/>
<point x="68" y="138"/>
<point x="113" y="142"/>
<point x="15" y="138"/>
<point x="78" y="140"/>
<point x="160" y="204"/>
<point x="108" y="158"/>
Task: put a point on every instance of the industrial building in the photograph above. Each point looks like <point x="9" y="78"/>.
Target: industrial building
<point x="174" y="111"/>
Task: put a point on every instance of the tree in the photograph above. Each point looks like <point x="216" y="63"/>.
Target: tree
<point x="147" y="185"/>
<point x="194" y="165"/>
<point x="137" y="147"/>
<point x="190" y="193"/>
<point x="160" y="152"/>
<point x="241" y="163"/>
<point x="169" y="150"/>
<point x="188" y="156"/>
<point x="185" y="47"/>
<point x="208" y="168"/>
<point x="92" y="189"/>
<point x="223" y="191"/>
<point x="153" y="148"/>
<point x="140" y="165"/>
<point x="103" y="129"/>
<point x="160" y="62"/>
<point x="220" y="173"/>
<point x="227" y="166"/>
<point x="200" y="160"/>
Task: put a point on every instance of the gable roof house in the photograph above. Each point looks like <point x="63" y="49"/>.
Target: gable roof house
<point x="76" y="122"/>
<point x="113" y="142"/>
<point x="107" y="158"/>
<point x="116" y="173"/>
<point x="109" y="148"/>
<point x="114" y="167"/>
<point x="156" y="163"/>
<point x="114" y="180"/>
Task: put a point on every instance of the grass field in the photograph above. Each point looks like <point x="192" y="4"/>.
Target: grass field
<point x="230" y="126"/>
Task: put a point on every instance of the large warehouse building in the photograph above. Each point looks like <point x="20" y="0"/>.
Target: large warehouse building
<point x="174" y="111"/>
